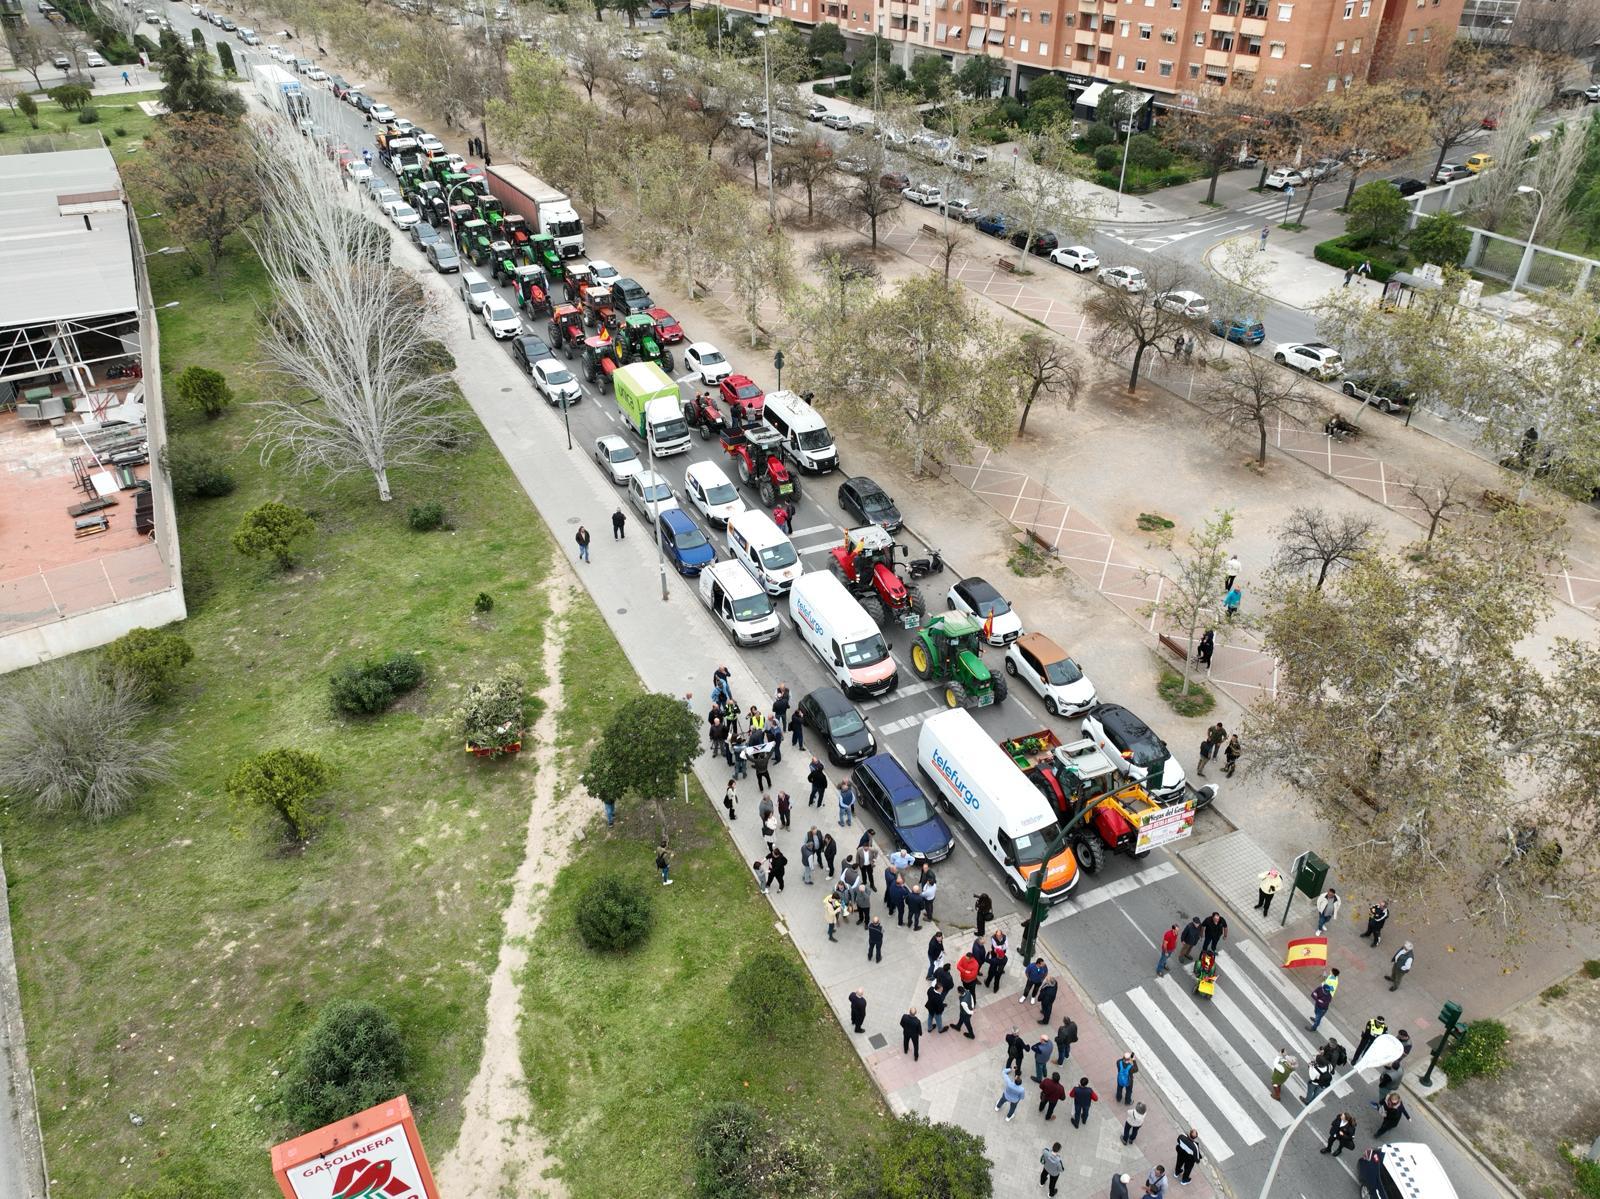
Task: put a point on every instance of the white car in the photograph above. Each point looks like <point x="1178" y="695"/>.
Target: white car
<point x="925" y="194"/>
<point x="704" y="359"/>
<point x="1052" y="674"/>
<point x="964" y="211"/>
<point x="403" y="127"/>
<point x="617" y="458"/>
<point x="1316" y="359"/>
<point x="316" y="74"/>
<point x="1185" y="303"/>
<point x="1323" y="168"/>
<point x="94" y="60"/>
<point x="650" y="494"/>
<point x="1076" y="258"/>
<point x="402" y="214"/>
<point x="383" y="197"/>
<point x="555" y="382"/>
<point x="838" y="120"/>
<point x="429" y="144"/>
<point x="277" y="53"/>
<point x="816" y="112"/>
<point x="1127" y="739"/>
<point x="1285" y="177"/>
<point x="710" y="491"/>
<point x="382" y="112"/>
<point x="1129" y="278"/>
<point x="501" y="320"/>
<point x="357" y="170"/>
<point x="605" y="275"/>
<point x="745" y="121"/>
<point x="784" y="135"/>
<point x="977" y="597"/>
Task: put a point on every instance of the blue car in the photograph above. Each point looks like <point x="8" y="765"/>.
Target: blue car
<point x="1242" y="332"/>
<point x="683" y="542"/>
<point x="886" y="787"/>
<point x="994" y="225"/>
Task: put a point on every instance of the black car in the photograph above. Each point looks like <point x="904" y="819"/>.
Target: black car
<point x="423" y="235"/>
<point x="1043" y="243"/>
<point x="863" y="499"/>
<point x="1382" y="392"/>
<point x="1133" y="737"/>
<point x="363" y="101"/>
<point x="443" y="256"/>
<point x="1409" y="187"/>
<point x="632" y="294"/>
<point x="528" y="349"/>
<point x="835" y="719"/>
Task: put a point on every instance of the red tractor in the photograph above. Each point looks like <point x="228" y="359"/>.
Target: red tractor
<point x="865" y="564"/>
<point x="702" y="414"/>
<point x="566" y="329"/>
<point x="532" y="288"/>
<point x="599" y="310"/>
<point x="754" y="451"/>
<point x="601" y="356"/>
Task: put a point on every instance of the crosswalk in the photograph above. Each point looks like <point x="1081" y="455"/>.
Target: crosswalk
<point x="1223" y="224"/>
<point x="1212" y="1057"/>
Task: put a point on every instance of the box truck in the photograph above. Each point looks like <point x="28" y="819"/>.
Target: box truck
<point x="283" y="94"/>
<point x="649" y="401"/>
<point x="546" y="209"/>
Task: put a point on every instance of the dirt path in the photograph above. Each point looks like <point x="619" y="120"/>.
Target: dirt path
<point x="499" y="1152"/>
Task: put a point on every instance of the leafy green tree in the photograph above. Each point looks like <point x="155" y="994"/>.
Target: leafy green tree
<point x="923" y="1160"/>
<point x="929" y="74"/>
<point x="630" y="9"/>
<point x="772" y="993"/>
<point x="203" y="388"/>
<point x="1047" y="87"/>
<point x="826" y="39"/>
<point x="644" y="751"/>
<point x="153" y="658"/>
<point x="189" y="86"/>
<point x="1440" y="238"/>
<point x="70" y="96"/>
<point x="352" y="1058"/>
<point x="197" y="38"/>
<point x="613" y="915"/>
<point x="29" y="108"/>
<point x="979" y="76"/>
<point x="225" y="60"/>
<point x="271" y="530"/>
<point x="1376" y="213"/>
<point x="286" y="782"/>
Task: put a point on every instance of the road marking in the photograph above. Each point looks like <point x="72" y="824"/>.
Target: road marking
<point x="916" y="688"/>
<point x="1076" y="903"/>
<point x="896" y="726"/>
<point x="1248" y="1078"/>
<point x="809" y="529"/>
<point x="1210" y="1085"/>
<point x="1219" y="1149"/>
<point x="817" y="549"/>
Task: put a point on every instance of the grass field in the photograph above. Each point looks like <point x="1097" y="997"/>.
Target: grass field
<point x="118" y="112"/>
<point x="169" y="958"/>
<point x="623" y="1052"/>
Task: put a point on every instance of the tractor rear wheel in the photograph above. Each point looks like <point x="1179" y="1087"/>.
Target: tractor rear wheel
<point x="1000" y="688"/>
<point x="666" y="361"/>
<point x="744" y="470"/>
<point x="1089" y="855"/>
<point x="705" y="430"/>
<point x="921" y="660"/>
<point x="874" y="607"/>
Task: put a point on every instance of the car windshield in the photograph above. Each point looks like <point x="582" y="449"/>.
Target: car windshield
<point x="564" y="228"/>
<point x="752" y="607"/>
<point x="776" y="557"/>
<point x="502" y="313"/>
<point x="875" y="501"/>
<point x="690" y="539"/>
<point x="816" y="439"/>
<point x="1145" y="746"/>
<point x="670" y="430"/>
<point x="1030" y="847"/>
<point x="842" y="724"/>
<point x="623" y="453"/>
<point x="990" y="605"/>
<point x="869" y="651"/>
<point x="556" y="376"/>
<point x="913" y="810"/>
<point x="722" y="493"/>
<point x="1063" y="672"/>
<point x="712" y="358"/>
<point x="748" y="392"/>
<point x="656" y="491"/>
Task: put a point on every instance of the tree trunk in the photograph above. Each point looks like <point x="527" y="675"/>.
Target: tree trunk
<point x="873" y="220"/>
<point x="1350" y="191"/>
<point x="1444" y="148"/>
<point x="1027" y="406"/>
<point x="1216" y="173"/>
<point x="1261" y="450"/>
<point x="1138" y="357"/>
<point x="1322" y="575"/>
<point x="1305" y="205"/>
<point x="1262" y="182"/>
<point x="382" y="476"/>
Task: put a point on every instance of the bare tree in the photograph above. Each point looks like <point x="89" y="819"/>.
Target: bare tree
<point x="1557" y="27"/>
<point x="1132" y="321"/>
<point x="1192" y="585"/>
<point x="1494" y="191"/>
<point x="867" y="197"/>
<point x="1044" y="367"/>
<point x="32" y="52"/>
<point x="682" y="203"/>
<point x="1314" y="538"/>
<point x="1252" y="395"/>
<point x="1438" y="499"/>
<point x="847" y="273"/>
<point x="759" y="261"/>
<point x="1456" y="105"/>
<point x="590" y="51"/>
<point x="349" y="336"/>
<point x="809" y="163"/>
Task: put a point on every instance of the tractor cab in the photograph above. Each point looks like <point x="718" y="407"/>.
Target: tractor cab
<point x="533" y="290"/>
<point x="460" y="214"/>
<point x="600" y="359"/>
<point x="947" y="649"/>
<point x="865" y="564"/>
<point x="515" y="228"/>
<point x="598" y="309"/>
<point x="504" y="256"/>
<point x="475" y="241"/>
<point x="641" y="342"/>
<point x="477" y="186"/>
<point x="566" y="329"/>
<point x="580" y="277"/>
<point x="755" y="454"/>
<point x="547" y="256"/>
<point x="491" y="210"/>
<point x="702" y="414"/>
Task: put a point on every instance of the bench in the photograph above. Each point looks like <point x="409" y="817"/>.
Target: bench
<point x="1008" y="265"/>
<point x="931" y="229"/>
<point x="88" y="526"/>
<point x="1173" y="646"/>
<point x="94" y="505"/>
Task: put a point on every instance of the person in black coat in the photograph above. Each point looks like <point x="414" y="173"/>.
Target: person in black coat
<point x="911" y="1034"/>
<point x="858" y="1009"/>
<point x="983" y="906"/>
<point x="1016" y="1049"/>
<point x="1047" y="996"/>
<point x="830" y="850"/>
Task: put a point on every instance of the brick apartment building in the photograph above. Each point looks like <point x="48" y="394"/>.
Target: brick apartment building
<point x="1170" y="49"/>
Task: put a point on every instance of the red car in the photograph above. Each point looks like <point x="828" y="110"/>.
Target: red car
<point x="667" y="327"/>
<point x="742" y="394"/>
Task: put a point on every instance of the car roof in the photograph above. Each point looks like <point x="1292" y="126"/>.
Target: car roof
<point x="831" y="701"/>
<point x="980" y="588"/>
<point x="706" y="472"/>
<point x="677" y="519"/>
<point x="1115" y="716"/>
<point x="649" y="478"/>
<point x="611" y="441"/>
<point x="700" y="347"/>
<point x="1187" y="295"/>
<point x="886" y="768"/>
<point x="1415" y="1171"/>
<point x="661" y="313"/>
<point x="1042" y="648"/>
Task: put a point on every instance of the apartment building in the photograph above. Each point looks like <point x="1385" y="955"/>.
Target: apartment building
<point x="1169" y="48"/>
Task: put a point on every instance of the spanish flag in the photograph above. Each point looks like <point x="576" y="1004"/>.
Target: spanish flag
<point x="988" y="626"/>
<point x="1306" y="951"/>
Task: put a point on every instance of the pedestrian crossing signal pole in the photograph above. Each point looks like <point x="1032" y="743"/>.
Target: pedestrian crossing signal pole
<point x="1450" y="1018"/>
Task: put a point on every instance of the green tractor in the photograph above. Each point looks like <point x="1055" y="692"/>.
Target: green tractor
<point x="546" y="255"/>
<point x="476" y="241"/>
<point x="947" y="648"/>
<point x="490" y="210"/>
<point x="639" y="342"/>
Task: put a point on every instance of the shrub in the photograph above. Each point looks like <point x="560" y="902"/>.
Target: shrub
<point x="1145" y="151"/>
<point x="1440" y="238"/>
<point x="425" y="518"/>
<point x="1108" y="158"/>
<point x="72" y="737"/>
<point x="490" y="716"/>
<point x="612" y="915"/>
<point x="225" y="59"/>
<point x="29" y="108"/>
<point x="1481" y="1053"/>
<point x="197" y="473"/>
<point x="1376" y="213"/>
<point x="1338" y="252"/>
<point x="119" y="131"/>
<point x="771" y="992"/>
<point x="152" y="658"/>
<point x="286" y="781"/>
<point x="825" y="90"/>
<point x="726" y="1136"/>
<point x="920" y="1158"/>
<point x="271" y="530"/>
<point x="203" y="388"/>
<point x="1099" y="134"/>
<point x="369" y="688"/>
<point x="1198" y="702"/>
<point x="484" y="603"/>
<point x="89" y="116"/>
<point x="352" y="1058"/>
<point x="1591" y="968"/>
<point x="70" y="96"/>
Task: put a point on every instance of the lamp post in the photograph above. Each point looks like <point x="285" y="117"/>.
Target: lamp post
<point x="1127" y="142"/>
<point x="1526" y="264"/>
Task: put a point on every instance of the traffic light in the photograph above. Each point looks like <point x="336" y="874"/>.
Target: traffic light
<point x="1450" y="1014"/>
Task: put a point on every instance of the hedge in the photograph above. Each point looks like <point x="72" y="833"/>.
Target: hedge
<point x="1337" y="252"/>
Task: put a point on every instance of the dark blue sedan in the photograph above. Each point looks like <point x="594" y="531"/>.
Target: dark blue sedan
<point x="683" y="542"/>
<point x="886" y="787"/>
<point x="994" y="225"/>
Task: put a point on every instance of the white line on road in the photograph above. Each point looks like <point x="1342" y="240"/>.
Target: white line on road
<point x="1219" y="1149"/>
<point x="816" y="549"/>
<point x="1250" y="1080"/>
<point x="896" y="726"/>
<point x="916" y="688"/>
<point x="793" y="533"/>
<point x="1210" y="1085"/>
<point x="1132" y="882"/>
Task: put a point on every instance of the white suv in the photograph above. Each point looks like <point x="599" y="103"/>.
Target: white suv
<point x="1285" y="177"/>
<point x="1313" y="357"/>
<point x="1076" y="258"/>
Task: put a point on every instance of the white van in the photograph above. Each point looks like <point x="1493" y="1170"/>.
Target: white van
<point x="476" y="291"/>
<point x="766" y="553"/>
<point x="740" y="604"/>
<point x="978" y="779"/>
<point x="806" y="439"/>
<point x="841" y="634"/>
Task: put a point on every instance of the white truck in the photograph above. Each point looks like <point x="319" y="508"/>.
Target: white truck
<point x="283" y="94"/>
<point x="740" y="604"/>
<point x="546" y="209"/>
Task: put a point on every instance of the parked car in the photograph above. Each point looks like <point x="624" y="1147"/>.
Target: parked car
<point x="423" y="235"/>
<point x="924" y="194"/>
<point x="1323" y="168"/>
<point x="650" y="494"/>
<point x="93" y="60"/>
<point x="895" y="181"/>
<point x="1407" y="186"/>
<point x="442" y="255"/>
<point x="1076" y="258"/>
<point x="1591" y="94"/>
<point x="1479" y="162"/>
<point x="977" y="597"/>
<point x="667" y="327"/>
<point x="501" y="320"/>
<point x="381" y="112"/>
<point x="402" y="214"/>
<point x="711" y="491"/>
<point x="1449" y="172"/>
<point x="1186" y="303"/>
<point x="1129" y="278"/>
<point x="1154" y="764"/>
<point x="994" y="224"/>
<point x="869" y="503"/>
<point x="1381" y="391"/>
<point x="555" y="382"/>
<point x="383" y="196"/>
<point x="617" y="458"/>
<point x="817" y="111"/>
<point x="684" y="544"/>
<point x="1244" y="331"/>
<point x="837" y="120"/>
<point x="704" y="359"/>
<point x="1283" y="177"/>
<point x="960" y="210"/>
<point x="1315" y="358"/>
<point x="745" y="121"/>
<point x="338" y="85"/>
<point x="829" y="714"/>
<point x="1044" y="242"/>
<point x="886" y="789"/>
<point x="1048" y="669"/>
<point x="528" y="349"/>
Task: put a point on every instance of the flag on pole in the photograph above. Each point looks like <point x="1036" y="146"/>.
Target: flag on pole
<point x="988" y="626"/>
<point x="1306" y="951"/>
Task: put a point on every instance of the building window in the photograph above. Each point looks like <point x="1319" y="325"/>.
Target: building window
<point x="1205" y="5"/>
<point x="1044" y="18"/>
<point x="1122" y="62"/>
<point x="1427" y="33"/>
<point x="1170" y="36"/>
<point x="1026" y="16"/>
<point x="1222" y="41"/>
<point x="1199" y="38"/>
<point x="1103" y="58"/>
<point x="1144" y="32"/>
<point x="1083" y="53"/>
<point x="1252" y="47"/>
<point x="1012" y="41"/>
<point x="1164" y="69"/>
<point x="1333" y="83"/>
<point x="1216" y="77"/>
<point x="1194" y="70"/>
<point x="1338" y="49"/>
<point x="1043" y="49"/>
<point x="1275" y="49"/>
<point x="1126" y="26"/>
<point x="1366" y="8"/>
<point x="1140" y="64"/>
<point x="1177" y="3"/>
<point x="1411" y="37"/>
<point x="1285" y="12"/>
<point x="1269" y="85"/>
<point x="1355" y="46"/>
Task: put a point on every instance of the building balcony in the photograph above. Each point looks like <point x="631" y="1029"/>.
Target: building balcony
<point x="1217" y="58"/>
<point x="1253" y="27"/>
<point x="1221" y="24"/>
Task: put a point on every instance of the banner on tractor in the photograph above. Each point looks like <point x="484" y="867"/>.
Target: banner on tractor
<point x="1306" y="951"/>
<point x="375" y="1154"/>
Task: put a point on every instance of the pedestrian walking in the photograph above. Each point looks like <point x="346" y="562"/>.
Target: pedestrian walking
<point x="1214" y="931"/>
<point x="1047" y="997"/>
<point x="1232" y="567"/>
<point x="1327" y="909"/>
<point x="1349" y="271"/>
<point x="858" y="1009"/>
<point x="1321" y="1001"/>
<point x="911" y="1034"/>
<point x="1319" y="1075"/>
<point x="1082" y="1096"/>
<point x="758" y="756"/>
<point x="1033" y="978"/>
<point x="785" y="809"/>
<point x="777" y="863"/>
<point x="1284" y="1066"/>
<point x="1231" y="602"/>
<point x="1336" y="1053"/>
<point x="730" y="800"/>
<point x="1066" y="1038"/>
<point x="874" y="940"/>
<point x="1050" y="1167"/>
<point x="1268" y="883"/>
<point x="1188" y="1155"/>
<point x="664" y="864"/>
<point x="1119" y="1185"/>
<point x="817" y="776"/>
<point x="1177" y="346"/>
<point x="1394" y="1109"/>
<point x="983" y="908"/>
<point x="1132" y="1122"/>
<point x="582" y="538"/>
<point x="1210" y="744"/>
<point x="1127" y="1067"/>
<point x="966" y="1004"/>
<point x="808" y="859"/>
<point x="1341" y="1134"/>
<point x="1400" y="965"/>
<point x="1190" y="937"/>
<point x="1169" y="942"/>
<point x="1051" y="1092"/>
<point x="1365" y="269"/>
<point x="759" y="866"/>
<point x="1011" y="1091"/>
<point x="867" y="854"/>
<point x="831" y="906"/>
<point x="1016" y="1049"/>
<point x="765" y="808"/>
<point x="847" y="803"/>
<point x="1377" y="917"/>
<point x="829" y="849"/>
<point x="915" y="907"/>
<point x="935" y="952"/>
<point x="780" y="705"/>
<point x="1207" y="647"/>
<point x="1374" y="1029"/>
<point x="997" y="960"/>
<point x="618" y="520"/>
<point x="934" y="1003"/>
<point x="1231" y="755"/>
<point x="1042" y="1049"/>
<point x="1263" y="239"/>
<point x="862" y="899"/>
<point x="1155" y="1183"/>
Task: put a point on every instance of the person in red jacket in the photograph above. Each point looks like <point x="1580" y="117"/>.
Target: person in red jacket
<point x="1169" y="942"/>
<point x="967" y="969"/>
<point x="1082" y="1096"/>
<point x="1051" y="1092"/>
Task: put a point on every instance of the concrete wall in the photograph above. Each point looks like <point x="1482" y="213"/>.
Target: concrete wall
<point x="86" y="630"/>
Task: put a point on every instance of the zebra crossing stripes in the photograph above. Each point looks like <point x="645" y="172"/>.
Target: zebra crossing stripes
<point x="1249" y="1077"/>
<point x="1211" y="1086"/>
<point x="1101" y="892"/>
<point x="1152" y="1067"/>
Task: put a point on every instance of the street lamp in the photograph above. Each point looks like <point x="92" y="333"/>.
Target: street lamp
<point x="1127" y="107"/>
<point x="1526" y="264"/>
